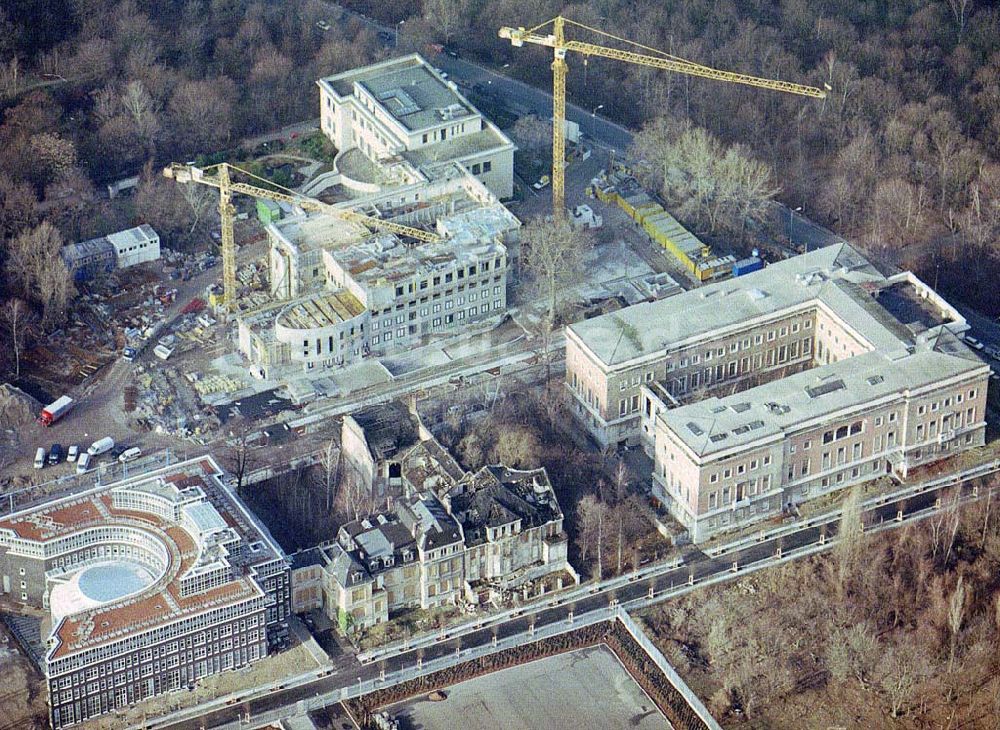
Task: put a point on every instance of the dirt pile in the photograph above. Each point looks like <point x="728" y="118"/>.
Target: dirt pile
<point x="17" y="408"/>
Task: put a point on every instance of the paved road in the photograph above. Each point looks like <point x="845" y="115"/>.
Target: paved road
<point x="648" y="586"/>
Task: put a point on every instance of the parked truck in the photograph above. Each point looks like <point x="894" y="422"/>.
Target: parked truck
<point x="56" y="410"/>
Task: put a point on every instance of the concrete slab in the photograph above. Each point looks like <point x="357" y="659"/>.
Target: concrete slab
<point x="361" y="375"/>
<point x="581" y="689"/>
<point x="422" y="357"/>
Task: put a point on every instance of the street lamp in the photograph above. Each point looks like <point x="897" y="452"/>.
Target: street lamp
<point x="593" y="118"/>
<point x="396" y="41"/>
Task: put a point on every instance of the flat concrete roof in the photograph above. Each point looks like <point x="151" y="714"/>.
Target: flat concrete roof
<point x="715" y="425"/>
<point x="588" y="688"/>
<point x="459" y="147"/>
<point x="318" y="231"/>
<point x="820" y="276"/>
<point x="384" y="258"/>
<point x="409" y="90"/>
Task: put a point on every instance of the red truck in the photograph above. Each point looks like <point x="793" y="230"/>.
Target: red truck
<point x="54" y="411"/>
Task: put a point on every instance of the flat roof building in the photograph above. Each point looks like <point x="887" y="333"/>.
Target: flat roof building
<point x="726" y="385"/>
<point x="167" y="573"/>
<point x="403" y="115"/>
<point x="115" y="251"/>
<point x="348" y="293"/>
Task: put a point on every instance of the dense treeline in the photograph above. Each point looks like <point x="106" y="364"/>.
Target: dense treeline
<point x="903" y="624"/>
<point x="902" y="155"/>
<point x="91" y="91"/>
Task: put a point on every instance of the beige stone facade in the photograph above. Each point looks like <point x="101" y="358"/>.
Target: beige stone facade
<point x="755" y="394"/>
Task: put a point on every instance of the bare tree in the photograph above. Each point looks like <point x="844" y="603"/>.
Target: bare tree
<point x="517" y="447"/>
<point x="447" y="15"/>
<point x="355" y="497"/>
<point x="702" y="180"/>
<point x="18" y="206"/>
<point x="239" y="457"/>
<point x="532" y="133"/>
<point x="329" y="470"/>
<point x="960" y="10"/>
<point x="553" y="252"/>
<point x="36" y="265"/>
<point x="201" y="114"/>
<point x="853" y="653"/>
<point x="850" y="538"/>
<point x="956" y="614"/>
<point x="901" y="669"/>
<point x="590" y="516"/>
<point x="201" y="199"/>
<point x="20" y="322"/>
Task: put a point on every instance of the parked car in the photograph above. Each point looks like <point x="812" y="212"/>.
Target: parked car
<point x="40" y="458"/>
<point x="130" y="454"/>
<point x="973" y="342"/>
<point x="55" y="454"/>
<point x="83" y="463"/>
<point x="72" y="453"/>
<point x="543" y="182"/>
<point x="101" y="446"/>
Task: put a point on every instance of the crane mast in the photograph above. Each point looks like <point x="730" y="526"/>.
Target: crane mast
<point x="222" y="180"/>
<point x="556" y="40"/>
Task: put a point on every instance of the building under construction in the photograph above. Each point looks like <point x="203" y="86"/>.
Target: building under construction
<point x="341" y="291"/>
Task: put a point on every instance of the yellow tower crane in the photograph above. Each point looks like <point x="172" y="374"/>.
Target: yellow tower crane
<point x="556" y="40"/>
<point x="220" y="177"/>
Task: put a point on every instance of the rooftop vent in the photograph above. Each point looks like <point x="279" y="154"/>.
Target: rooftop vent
<point x="875" y="380"/>
<point x="717" y="437"/>
<point x="740" y="407"/>
<point x="815" y="391"/>
<point x="695" y="429"/>
<point x="452" y="111"/>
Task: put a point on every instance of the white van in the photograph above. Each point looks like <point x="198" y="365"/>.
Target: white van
<point x="101" y="446"/>
<point x="130" y="454"/>
<point x="40" y="458"/>
<point x="83" y="463"/>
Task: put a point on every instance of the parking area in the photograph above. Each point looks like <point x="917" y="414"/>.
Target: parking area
<point x="585" y="688"/>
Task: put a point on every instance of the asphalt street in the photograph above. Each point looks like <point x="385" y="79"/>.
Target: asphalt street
<point x="648" y="586"/>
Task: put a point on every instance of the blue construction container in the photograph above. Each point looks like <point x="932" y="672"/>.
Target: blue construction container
<point x="745" y="266"/>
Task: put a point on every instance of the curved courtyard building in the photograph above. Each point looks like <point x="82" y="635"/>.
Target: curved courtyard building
<point x="147" y="586"/>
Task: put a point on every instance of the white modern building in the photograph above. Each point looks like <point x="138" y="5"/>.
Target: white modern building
<point x="403" y="115"/>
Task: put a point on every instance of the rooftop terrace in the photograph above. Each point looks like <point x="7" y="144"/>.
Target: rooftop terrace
<point x="162" y="601"/>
